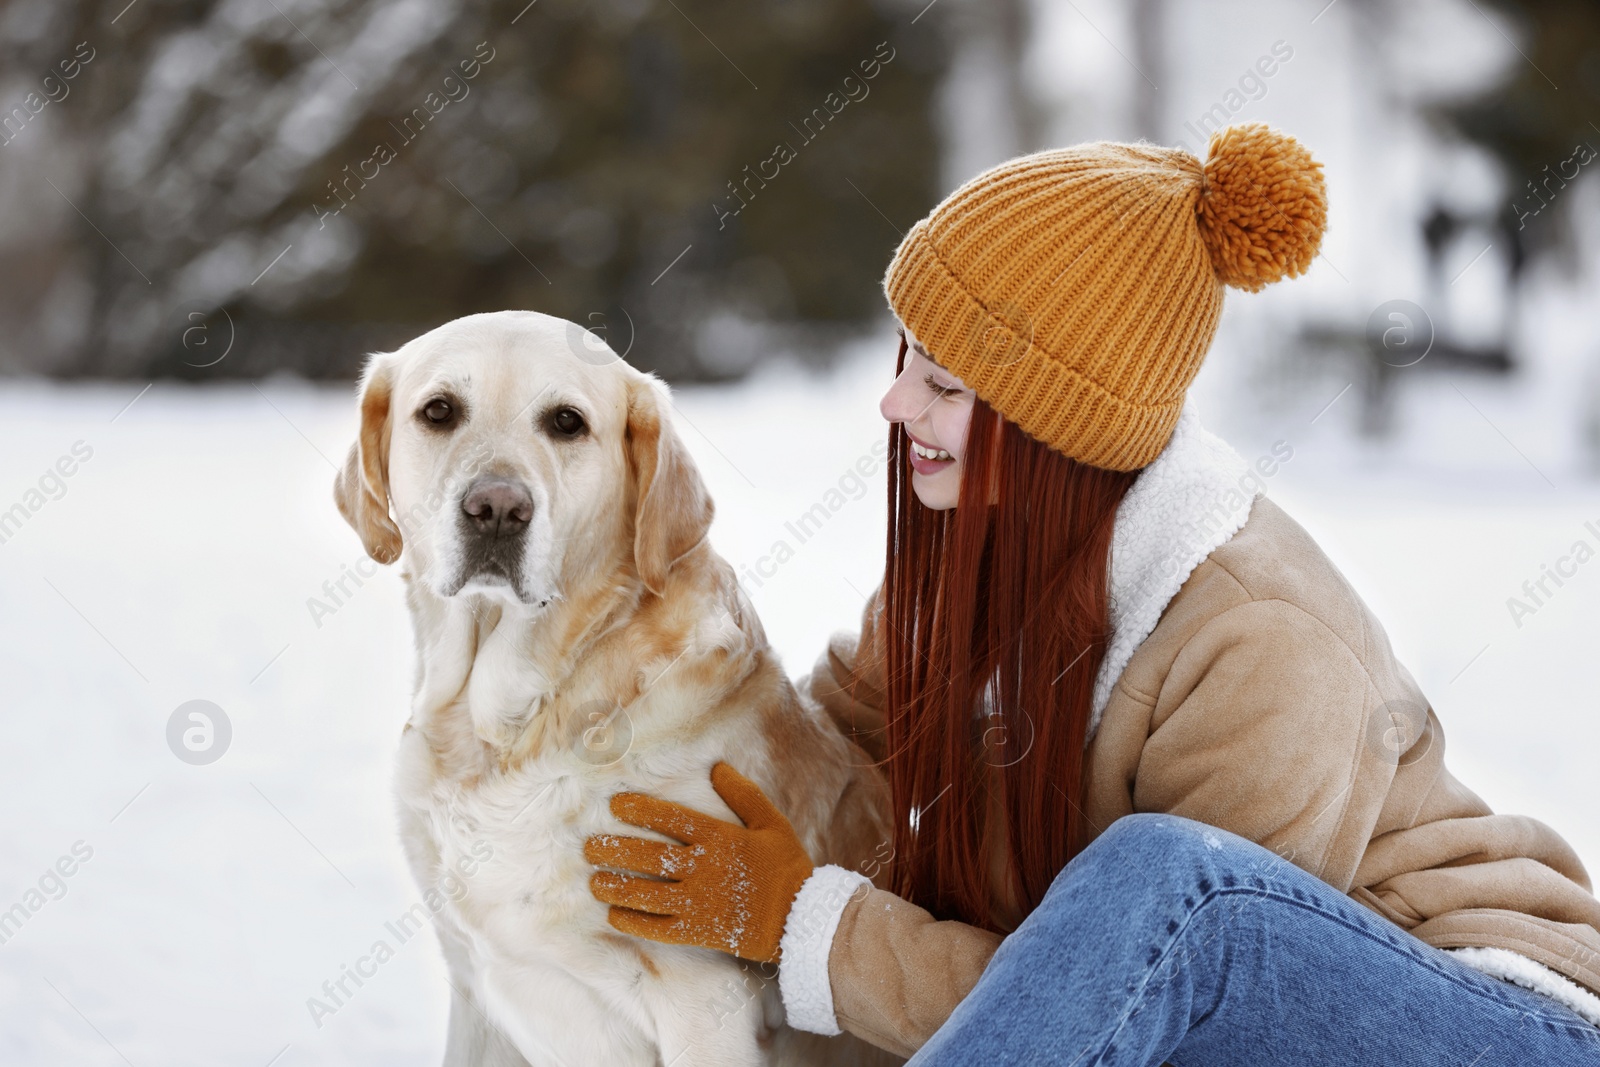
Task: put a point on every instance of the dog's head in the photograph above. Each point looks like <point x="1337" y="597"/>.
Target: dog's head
<point x="510" y="454"/>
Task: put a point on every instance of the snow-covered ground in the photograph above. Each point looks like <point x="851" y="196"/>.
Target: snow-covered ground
<point x="178" y="565"/>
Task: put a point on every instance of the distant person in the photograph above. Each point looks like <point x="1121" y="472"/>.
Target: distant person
<point x="1161" y="790"/>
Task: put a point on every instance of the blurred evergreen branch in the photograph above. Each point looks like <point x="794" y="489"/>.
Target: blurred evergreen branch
<point x="203" y="151"/>
<point x="1533" y="121"/>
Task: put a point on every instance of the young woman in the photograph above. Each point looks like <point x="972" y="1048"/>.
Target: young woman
<point x="1162" y="791"/>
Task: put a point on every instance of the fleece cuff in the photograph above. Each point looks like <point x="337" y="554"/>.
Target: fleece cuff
<point x="1519" y="970"/>
<point x="807" y="938"/>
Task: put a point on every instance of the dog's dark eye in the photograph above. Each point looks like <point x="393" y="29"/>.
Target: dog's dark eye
<point x="438" y="411"/>
<point x="567" y="422"/>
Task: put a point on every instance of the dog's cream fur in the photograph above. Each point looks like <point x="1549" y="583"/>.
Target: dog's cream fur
<point x="515" y="741"/>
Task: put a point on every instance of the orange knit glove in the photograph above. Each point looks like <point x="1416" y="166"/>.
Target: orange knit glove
<point x="729" y="887"/>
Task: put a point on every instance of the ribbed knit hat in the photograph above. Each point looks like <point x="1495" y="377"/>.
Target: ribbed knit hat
<point x="1076" y="290"/>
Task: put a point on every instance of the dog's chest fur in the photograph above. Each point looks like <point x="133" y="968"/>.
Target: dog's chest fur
<point x="507" y="766"/>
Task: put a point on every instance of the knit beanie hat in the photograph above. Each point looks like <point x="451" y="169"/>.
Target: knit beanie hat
<point x="1076" y="290"/>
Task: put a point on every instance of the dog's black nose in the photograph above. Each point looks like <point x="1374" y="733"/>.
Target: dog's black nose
<point x="497" y="507"/>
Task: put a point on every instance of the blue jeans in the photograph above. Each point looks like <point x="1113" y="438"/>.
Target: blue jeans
<point x="1168" y="940"/>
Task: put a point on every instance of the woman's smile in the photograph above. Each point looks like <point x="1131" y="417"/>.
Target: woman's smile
<point x="928" y="459"/>
<point x="934" y="407"/>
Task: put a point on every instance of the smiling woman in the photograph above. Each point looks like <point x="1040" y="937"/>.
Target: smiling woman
<point x="934" y="407"/>
<point x="1160" y="789"/>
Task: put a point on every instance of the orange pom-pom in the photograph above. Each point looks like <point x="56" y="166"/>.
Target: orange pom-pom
<point x="1262" y="206"/>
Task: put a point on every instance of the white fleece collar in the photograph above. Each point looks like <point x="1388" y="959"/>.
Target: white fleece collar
<point x="1191" y="498"/>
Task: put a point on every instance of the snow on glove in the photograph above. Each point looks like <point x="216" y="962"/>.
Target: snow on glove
<point x="728" y="887"/>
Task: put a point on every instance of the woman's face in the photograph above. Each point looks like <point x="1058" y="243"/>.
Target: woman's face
<point x="935" y="406"/>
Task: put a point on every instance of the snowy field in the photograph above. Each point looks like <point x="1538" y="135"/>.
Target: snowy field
<point x="206" y="904"/>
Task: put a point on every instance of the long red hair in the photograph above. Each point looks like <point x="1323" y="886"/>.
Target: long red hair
<point x="1007" y="593"/>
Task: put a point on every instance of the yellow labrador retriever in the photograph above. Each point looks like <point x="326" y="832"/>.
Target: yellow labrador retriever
<point x="576" y="636"/>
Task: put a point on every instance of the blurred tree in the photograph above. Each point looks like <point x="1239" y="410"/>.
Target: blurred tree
<point x="1539" y="122"/>
<point x="314" y="179"/>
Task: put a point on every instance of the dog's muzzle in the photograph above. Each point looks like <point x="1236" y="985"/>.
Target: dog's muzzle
<point x="494" y="518"/>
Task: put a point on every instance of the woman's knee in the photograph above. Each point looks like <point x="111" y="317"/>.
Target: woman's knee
<point x="1148" y="852"/>
<point x="1140" y="875"/>
<point x="1153" y="839"/>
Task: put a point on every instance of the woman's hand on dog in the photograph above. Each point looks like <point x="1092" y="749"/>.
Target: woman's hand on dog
<point x="727" y="887"/>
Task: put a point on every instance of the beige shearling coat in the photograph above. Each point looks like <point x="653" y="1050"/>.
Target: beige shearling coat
<point x="1247" y="686"/>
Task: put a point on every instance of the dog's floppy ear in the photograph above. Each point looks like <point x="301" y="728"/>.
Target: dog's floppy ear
<point x="362" y="487"/>
<point x="674" y="510"/>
